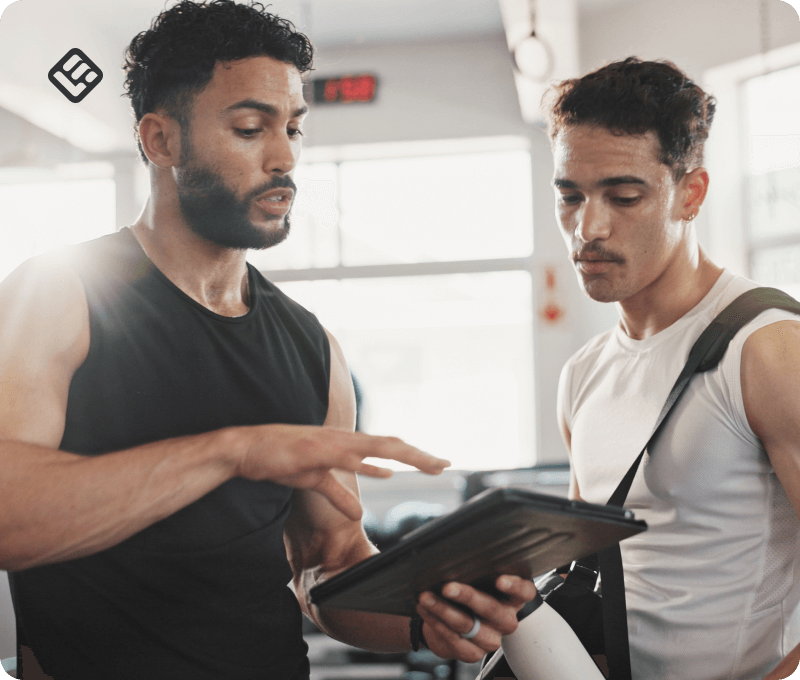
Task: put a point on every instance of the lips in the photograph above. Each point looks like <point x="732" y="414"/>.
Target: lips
<point x="588" y="266"/>
<point x="276" y="202"/>
<point x="595" y="263"/>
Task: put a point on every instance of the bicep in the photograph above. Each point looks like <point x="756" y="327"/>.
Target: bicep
<point x="44" y="337"/>
<point x="341" y="394"/>
<point x="770" y="377"/>
<point x="317" y="533"/>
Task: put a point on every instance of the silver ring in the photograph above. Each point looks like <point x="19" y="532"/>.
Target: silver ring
<point x="476" y="626"/>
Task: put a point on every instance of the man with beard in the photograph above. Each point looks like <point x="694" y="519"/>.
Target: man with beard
<point x="176" y="437"/>
<point x="713" y="586"/>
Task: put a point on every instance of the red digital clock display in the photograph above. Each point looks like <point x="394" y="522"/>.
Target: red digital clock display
<point x="345" y="89"/>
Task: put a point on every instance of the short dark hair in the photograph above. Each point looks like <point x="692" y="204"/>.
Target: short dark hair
<point x="635" y="97"/>
<point x="168" y="64"/>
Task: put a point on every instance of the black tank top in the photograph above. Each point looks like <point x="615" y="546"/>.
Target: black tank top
<point x="203" y="593"/>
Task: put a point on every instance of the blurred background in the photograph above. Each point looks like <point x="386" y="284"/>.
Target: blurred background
<point x="424" y="235"/>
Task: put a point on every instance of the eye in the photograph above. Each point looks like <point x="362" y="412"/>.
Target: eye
<point x="247" y="132"/>
<point x="571" y="199"/>
<point x="626" y="200"/>
<point x="295" y="133"/>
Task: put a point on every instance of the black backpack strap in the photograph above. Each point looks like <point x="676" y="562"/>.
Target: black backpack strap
<point x="705" y="354"/>
<point x="615" y="613"/>
<point x="741" y="311"/>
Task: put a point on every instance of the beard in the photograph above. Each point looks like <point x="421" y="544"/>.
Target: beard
<point x="214" y="211"/>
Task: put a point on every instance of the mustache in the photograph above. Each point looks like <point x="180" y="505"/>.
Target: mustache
<point x="600" y="253"/>
<point x="276" y="182"/>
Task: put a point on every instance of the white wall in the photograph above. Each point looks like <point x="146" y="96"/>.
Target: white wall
<point x="426" y="90"/>
<point x="696" y="35"/>
<point x="23" y="144"/>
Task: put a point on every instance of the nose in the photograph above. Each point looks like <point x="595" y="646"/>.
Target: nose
<point x="593" y="221"/>
<point x="281" y="154"/>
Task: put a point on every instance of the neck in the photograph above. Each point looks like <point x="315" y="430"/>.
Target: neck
<point x="213" y="276"/>
<point x="676" y="292"/>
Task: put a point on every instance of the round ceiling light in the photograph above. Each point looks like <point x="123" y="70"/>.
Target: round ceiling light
<point x="533" y="58"/>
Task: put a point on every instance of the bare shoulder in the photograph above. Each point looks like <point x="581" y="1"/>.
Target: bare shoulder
<point x="778" y="336"/>
<point x="43" y="301"/>
<point x="770" y="373"/>
<point x="44" y="337"/>
<point x="341" y="395"/>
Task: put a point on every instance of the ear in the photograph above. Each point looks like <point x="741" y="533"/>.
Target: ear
<point x="694" y="187"/>
<point x="160" y="135"/>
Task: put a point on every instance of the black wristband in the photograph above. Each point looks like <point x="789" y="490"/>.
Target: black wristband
<point x="417" y="638"/>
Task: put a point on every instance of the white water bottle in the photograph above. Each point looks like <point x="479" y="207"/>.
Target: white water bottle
<point x="544" y="647"/>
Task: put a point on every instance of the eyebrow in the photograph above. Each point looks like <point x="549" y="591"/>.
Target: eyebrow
<point x="268" y="109"/>
<point x="606" y="182"/>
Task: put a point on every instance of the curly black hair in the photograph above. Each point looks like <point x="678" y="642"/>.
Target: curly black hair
<point x="635" y="97"/>
<point x="168" y="64"/>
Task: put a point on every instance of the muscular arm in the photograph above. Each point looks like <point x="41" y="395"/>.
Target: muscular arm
<point x="56" y="506"/>
<point x="770" y="373"/>
<point x="321" y="542"/>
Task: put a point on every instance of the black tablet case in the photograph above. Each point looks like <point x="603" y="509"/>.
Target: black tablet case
<point x="500" y="531"/>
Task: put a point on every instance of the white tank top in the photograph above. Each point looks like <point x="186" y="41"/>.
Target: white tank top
<point x="713" y="586"/>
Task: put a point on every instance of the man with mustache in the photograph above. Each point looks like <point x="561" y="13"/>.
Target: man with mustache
<point x="176" y="435"/>
<point x="713" y="586"/>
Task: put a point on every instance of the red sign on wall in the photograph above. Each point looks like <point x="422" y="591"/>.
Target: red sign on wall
<point x="551" y="311"/>
<point x="345" y="89"/>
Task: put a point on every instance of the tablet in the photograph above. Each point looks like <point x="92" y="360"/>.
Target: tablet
<point x="500" y="531"/>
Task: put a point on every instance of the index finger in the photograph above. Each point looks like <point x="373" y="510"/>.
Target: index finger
<point x="393" y="448"/>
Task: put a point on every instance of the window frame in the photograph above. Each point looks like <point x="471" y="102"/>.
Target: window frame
<point x="726" y="228"/>
<point x="405" y="150"/>
<point x="527" y="263"/>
